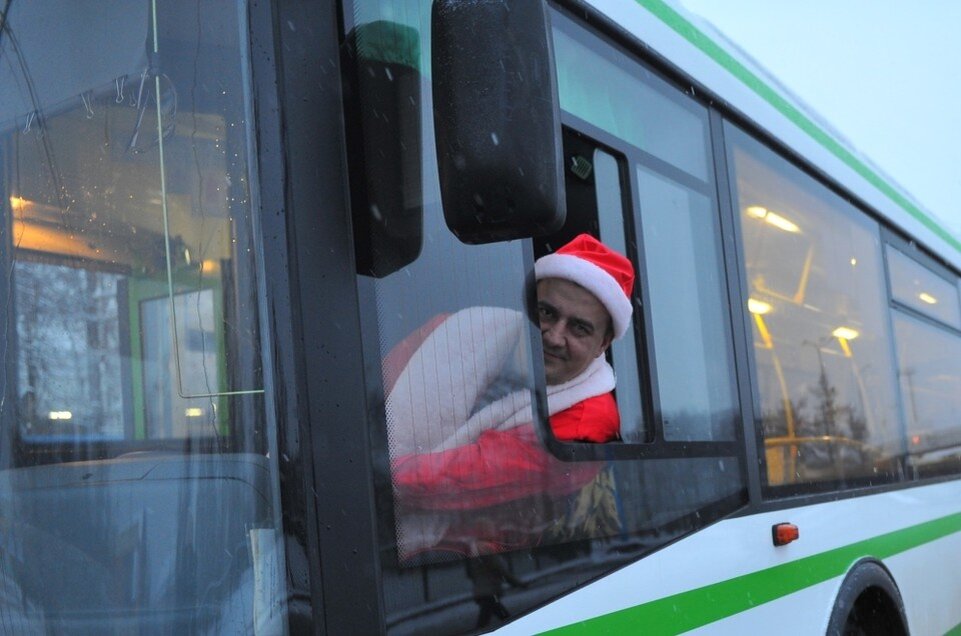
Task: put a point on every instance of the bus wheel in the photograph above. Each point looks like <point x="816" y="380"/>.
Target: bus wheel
<point x="868" y="603"/>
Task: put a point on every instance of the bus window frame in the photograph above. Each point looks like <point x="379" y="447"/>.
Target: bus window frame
<point x="627" y="157"/>
<point x="300" y="87"/>
<point x="781" y="496"/>
<point x="765" y="498"/>
<point x="919" y="256"/>
<point x="141" y="294"/>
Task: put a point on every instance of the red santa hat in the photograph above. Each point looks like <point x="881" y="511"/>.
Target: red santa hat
<point x="598" y="269"/>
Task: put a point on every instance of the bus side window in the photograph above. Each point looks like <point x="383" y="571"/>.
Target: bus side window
<point x="647" y="186"/>
<point x="926" y="314"/>
<point x="689" y="320"/>
<point x="675" y="369"/>
<point x="815" y="279"/>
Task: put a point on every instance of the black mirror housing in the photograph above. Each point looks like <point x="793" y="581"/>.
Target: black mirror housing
<point x="496" y="119"/>
<point x="386" y="151"/>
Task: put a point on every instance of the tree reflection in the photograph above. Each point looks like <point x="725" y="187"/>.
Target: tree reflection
<point x="830" y="439"/>
<point x="67" y="326"/>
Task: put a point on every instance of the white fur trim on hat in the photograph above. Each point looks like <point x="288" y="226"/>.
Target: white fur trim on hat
<point x="592" y="278"/>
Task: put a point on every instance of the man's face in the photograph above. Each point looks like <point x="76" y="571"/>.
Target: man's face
<point x="575" y="328"/>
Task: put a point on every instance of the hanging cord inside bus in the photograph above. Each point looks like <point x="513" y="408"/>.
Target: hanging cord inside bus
<point x="166" y="222"/>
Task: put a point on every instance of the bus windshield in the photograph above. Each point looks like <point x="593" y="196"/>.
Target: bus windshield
<point x="135" y="442"/>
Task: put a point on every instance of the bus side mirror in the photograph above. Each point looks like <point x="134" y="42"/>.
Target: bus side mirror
<point x="496" y="119"/>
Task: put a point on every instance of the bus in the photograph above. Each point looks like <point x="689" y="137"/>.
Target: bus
<point x="231" y="228"/>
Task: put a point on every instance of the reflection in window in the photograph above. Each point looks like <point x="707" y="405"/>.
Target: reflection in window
<point x="454" y="342"/>
<point x="817" y="309"/>
<point x="67" y="320"/>
<point x="922" y="290"/>
<point x="929" y="366"/>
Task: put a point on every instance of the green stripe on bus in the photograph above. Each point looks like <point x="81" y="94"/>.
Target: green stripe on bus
<point x="696" y="608"/>
<point x="954" y="631"/>
<point x="694" y="35"/>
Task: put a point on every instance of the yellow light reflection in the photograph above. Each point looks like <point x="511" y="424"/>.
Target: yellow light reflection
<point x="61" y="415"/>
<point x="759" y="307"/>
<point x="763" y="332"/>
<point x="41" y="237"/>
<point x="845" y="347"/>
<point x="209" y="266"/>
<point x="846" y="333"/>
<point x="194" y="412"/>
<point x="775" y="219"/>
<point x="928" y="298"/>
<point x="781" y="223"/>
<point x="18" y="203"/>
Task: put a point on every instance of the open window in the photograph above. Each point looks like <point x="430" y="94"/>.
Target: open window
<point x="598" y="194"/>
<point x="651" y="196"/>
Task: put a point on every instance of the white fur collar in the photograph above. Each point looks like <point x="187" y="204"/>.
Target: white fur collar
<point x="431" y="406"/>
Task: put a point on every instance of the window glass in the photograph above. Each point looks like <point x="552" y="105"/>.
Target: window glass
<point x="922" y="290"/>
<point x="817" y="307"/>
<point x="929" y="366"/>
<point x="621" y="97"/>
<point x="139" y="463"/>
<point x="692" y="334"/>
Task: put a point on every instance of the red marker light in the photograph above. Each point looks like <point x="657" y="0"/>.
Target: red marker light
<point x="784" y="533"/>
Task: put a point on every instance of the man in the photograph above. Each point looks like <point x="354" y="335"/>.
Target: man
<point x="469" y="472"/>
<point x="583" y="304"/>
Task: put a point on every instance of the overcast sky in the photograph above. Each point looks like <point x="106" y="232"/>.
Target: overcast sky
<point x="885" y="73"/>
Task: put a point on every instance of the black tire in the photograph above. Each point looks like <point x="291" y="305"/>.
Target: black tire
<point x="868" y="604"/>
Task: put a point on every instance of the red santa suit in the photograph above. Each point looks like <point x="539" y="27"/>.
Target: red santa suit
<point x="476" y="478"/>
<point x="469" y="471"/>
